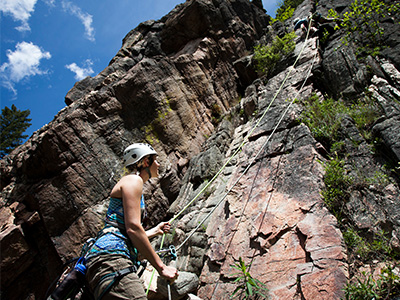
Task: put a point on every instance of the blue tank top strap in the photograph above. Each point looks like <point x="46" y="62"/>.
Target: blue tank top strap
<point x="143" y="212"/>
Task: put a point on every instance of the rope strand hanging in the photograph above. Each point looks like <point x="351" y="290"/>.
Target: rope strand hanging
<point x="261" y="148"/>
<point x="245" y="140"/>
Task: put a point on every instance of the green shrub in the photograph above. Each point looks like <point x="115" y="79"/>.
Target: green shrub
<point x="386" y="286"/>
<point x="248" y="287"/>
<point x="267" y="56"/>
<point x="362" y="23"/>
<point x="364" y="113"/>
<point x="356" y="244"/>
<point x="337" y="183"/>
<point x="283" y="15"/>
<point x="379" y="248"/>
<point x="286" y="9"/>
<point x="323" y="118"/>
<point x="380" y="179"/>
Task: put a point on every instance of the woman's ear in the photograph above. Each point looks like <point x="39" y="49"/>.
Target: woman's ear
<point x="146" y="162"/>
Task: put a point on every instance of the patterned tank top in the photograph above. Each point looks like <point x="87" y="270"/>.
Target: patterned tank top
<point x="112" y="239"/>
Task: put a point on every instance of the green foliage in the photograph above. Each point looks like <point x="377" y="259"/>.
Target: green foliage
<point x="386" y="286"/>
<point x="380" y="246"/>
<point x="285" y="14"/>
<point x="364" y="114"/>
<point x="362" y="289"/>
<point x="388" y="283"/>
<point x="380" y="179"/>
<point x="251" y="287"/>
<point x="335" y="194"/>
<point x="362" y="23"/>
<point x="323" y="118"/>
<point x="355" y="243"/>
<point x="266" y="57"/>
<point x="286" y="9"/>
<point x="325" y="36"/>
<point x="153" y="129"/>
<point x="13" y="123"/>
<point x="203" y="227"/>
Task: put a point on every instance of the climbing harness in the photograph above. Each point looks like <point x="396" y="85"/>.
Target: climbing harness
<point x="113" y="233"/>
<point x="245" y="140"/>
<point x="75" y="280"/>
<point x="115" y="277"/>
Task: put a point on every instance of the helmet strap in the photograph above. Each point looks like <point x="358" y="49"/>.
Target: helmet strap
<point x="147" y="169"/>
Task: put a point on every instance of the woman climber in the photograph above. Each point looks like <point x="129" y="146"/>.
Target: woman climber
<point x="123" y="237"/>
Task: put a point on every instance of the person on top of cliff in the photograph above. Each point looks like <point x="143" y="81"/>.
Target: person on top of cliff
<point x="123" y="237"/>
<point x="318" y="24"/>
<point x="303" y="25"/>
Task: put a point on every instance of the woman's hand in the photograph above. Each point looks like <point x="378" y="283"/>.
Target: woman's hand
<point x="169" y="273"/>
<point x="163" y="227"/>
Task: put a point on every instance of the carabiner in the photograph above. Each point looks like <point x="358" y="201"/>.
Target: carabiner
<point x="172" y="251"/>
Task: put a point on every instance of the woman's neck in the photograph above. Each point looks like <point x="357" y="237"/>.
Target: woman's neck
<point x="144" y="175"/>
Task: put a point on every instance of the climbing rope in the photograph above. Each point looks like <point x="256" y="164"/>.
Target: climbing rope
<point x="251" y="162"/>
<point x="261" y="148"/>
<point x="245" y="140"/>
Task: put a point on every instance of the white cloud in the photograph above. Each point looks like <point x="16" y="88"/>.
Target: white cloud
<point x="20" y="10"/>
<point x="84" y="17"/>
<point x="81" y="73"/>
<point x="23" y="62"/>
<point x="50" y="2"/>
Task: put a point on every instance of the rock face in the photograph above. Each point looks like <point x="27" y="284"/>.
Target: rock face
<point x="271" y="214"/>
<point x="185" y="84"/>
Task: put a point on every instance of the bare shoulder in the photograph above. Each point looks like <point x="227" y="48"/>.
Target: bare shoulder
<point x="132" y="179"/>
<point x="131" y="182"/>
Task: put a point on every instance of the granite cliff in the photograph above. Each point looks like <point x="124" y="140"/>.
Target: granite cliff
<point x="186" y="84"/>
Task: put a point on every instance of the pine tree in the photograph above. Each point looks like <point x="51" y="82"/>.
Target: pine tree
<point x="13" y="123"/>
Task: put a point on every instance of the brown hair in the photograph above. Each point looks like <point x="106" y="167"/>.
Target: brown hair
<point x="138" y="166"/>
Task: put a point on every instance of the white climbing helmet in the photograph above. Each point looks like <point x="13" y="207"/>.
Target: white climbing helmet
<point x="136" y="152"/>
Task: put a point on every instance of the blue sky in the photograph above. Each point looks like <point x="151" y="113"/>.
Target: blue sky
<point x="48" y="45"/>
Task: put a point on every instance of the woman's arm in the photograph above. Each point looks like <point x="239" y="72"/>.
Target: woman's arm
<point x="131" y="190"/>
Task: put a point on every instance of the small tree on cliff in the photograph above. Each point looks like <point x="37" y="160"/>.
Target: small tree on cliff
<point x="286" y="9"/>
<point x="363" y="23"/>
<point x="13" y="123"/>
<point x="266" y="57"/>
